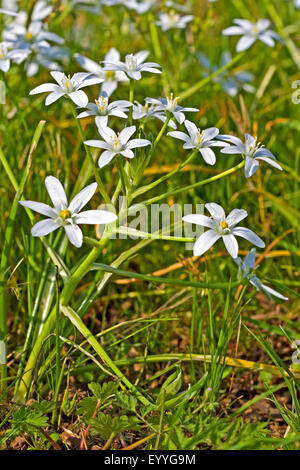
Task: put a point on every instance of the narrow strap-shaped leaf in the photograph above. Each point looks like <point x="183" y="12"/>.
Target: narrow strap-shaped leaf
<point x="145" y="277"/>
<point x="79" y="324"/>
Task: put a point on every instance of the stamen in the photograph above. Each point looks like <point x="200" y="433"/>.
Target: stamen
<point x="65" y="214"/>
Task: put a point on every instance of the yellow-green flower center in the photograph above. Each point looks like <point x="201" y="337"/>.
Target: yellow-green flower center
<point x="65" y="214"/>
<point x="224" y="224"/>
<point x="102" y="104"/>
<point x="109" y="75"/>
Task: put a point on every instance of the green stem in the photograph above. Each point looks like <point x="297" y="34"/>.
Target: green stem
<point x="89" y="155"/>
<point x="131" y="98"/>
<point x="154" y="35"/>
<point x="144" y="189"/>
<point x="22" y="392"/>
<point x="57" y="351"/>
<point x="8" y="237"/>
<point x="76" y="320"/>
<point x="161" y="132"/>
<point x="192" y="186"/>
<point x="192" y="90"/>
<point x="122" y="175"/>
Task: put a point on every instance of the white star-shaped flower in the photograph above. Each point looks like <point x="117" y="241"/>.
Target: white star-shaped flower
<point x="134" y="65"/>
<point x="170" y="105"/>
<point x="65" y="215"/>
<point x="199" y="140"/>
<point x="247" y="268"/>
<point x="110" y="79"/>
<point x="251" y="150"/>
<point x="70" y="86"/>
<point x="223" y="227"/>
<point x="251" y="32"/>
<point x="115" y="144"/>
<point x="102" y="109"/>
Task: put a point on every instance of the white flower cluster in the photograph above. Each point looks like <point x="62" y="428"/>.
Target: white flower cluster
<point x="22" y="41"/>
<point x="30" y="42"/>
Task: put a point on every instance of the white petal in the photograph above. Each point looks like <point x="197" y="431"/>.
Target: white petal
<point x="79" y="98"/>
<point x="180" y="117"/>
<point x="208" y="155"/>
<point x="126" y="133"/>
<point x="205" y="241"/>
<point x="199" y="219"/>
<point x="215" y="210"/>
<point x="105" y="158"/>
<point x="107" y="133"/>
<point x="248" y="235"/>
<point x="96" y="217"/>
<point x="101" y="121"/>
<point x="134" y="143"/>
<point x="58" y="76"/>
<point x="232" y="31"/>
<point x="97" y="143"/>
<point x="235" y="216"/>
<point x="44" y="88"/>
<point x="56" y="192"/>
<point x="245" y="42"/>
<point x="44" y="227"/>
<point x="90" y="82"/>
<point x="141" y="56"/>
<point x="267" y="39"/>
<point x="210" y="133"/>
<point x="251" y="166"/>
<point x="179" y="135"/>
<point x="89" y="64"/>
<point x="82" y="198"/>
<point x="249" y="260"/>
<point x="39" y="207"/>
<point x="53" y="97"/>
<point x="74" y="234"/>
<point x="127" y="153"/>
<point x="270" y="291"/>
<point x="231" y="245"/>
<point x="233" y="150"/>
<point x="270" y="161"/>
<point x="191" y="128"/>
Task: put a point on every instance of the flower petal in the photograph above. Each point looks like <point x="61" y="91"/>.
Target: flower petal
<point x="97" y="143"/>
<point x="200" y="219"/>
<point x="215" y="210"/>
<point x="134" y="143"/>
<point x="231" y="245"/>
<point x="126" y="133"/>
<point x="127" y="153"/>
<point x="208" y="155"/>
<point x="82" y="198"/>
<point x="271" y="292"/>
<point x="248" y="235"/>
<point x="251" y="166"/>
<point x="44" y="88"/>
<point x="54" y="97"/>
<point x="96" y="217"/>
<point x="235" y="216"/>
<point x="74" y="234"/>
<point x="245" y="42"/>
<point x="105" y="158"/>
<point x="205" y="241"/>
<point x="79" y="97"/>
<point x="39" y="207"/>
<point x="270" y="161"/>
<point x="44" y="227"/>
<point x="56" y="192"/>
